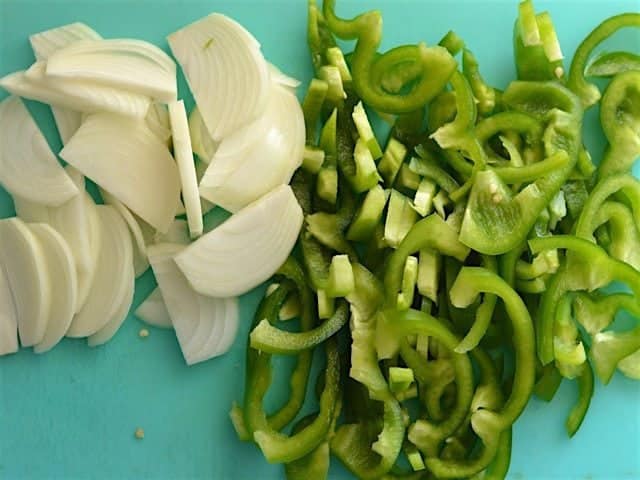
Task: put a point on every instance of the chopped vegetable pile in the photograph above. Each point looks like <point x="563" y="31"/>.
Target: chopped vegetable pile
<point x="459" y="270"/>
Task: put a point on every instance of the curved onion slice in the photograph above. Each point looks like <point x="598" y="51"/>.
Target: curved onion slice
<point x="201" y="168"/>
<point x="44" y="44"/>
<point x="186" y="166"/>
<point x="225" y="70"/>
<point x="201" y="142"/>
<point x="63" y="281"/>
<point x="153" y="311"/>
<point x="158" y="121"/>
<point x="205" y="326"/>
<point x="246" y="249"/>
<point x="132" y="65"/>
<point x="126" y="159"/>
<point x="178" y="234"/>
<point x="24" y="263"/>
<point x="140" y="260"/>
<point x="28" y="167"/>
<point x="86" y="276"/>
<point x="281" y="78"/>
<point x="110" y="283"/>
<point x="8" y="318"/>
<point x="258" y="157"/>
<point x="72" y="94"/>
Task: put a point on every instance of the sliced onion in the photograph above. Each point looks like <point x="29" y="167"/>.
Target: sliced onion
<point x="86" y="276"/>
<point x="281" y="78"/>
<point x="72" y="94"/>
<point x="44" y="44"/>
<point x="140" y="260"/>
<point x="201" y="168"/>
<point x="153" y="311"/>
<point x="132" y="65"/>
<point x="8" y="317"/>
<point x="201" y="142"/>
<point x="258" y="157"/>
<point x="126" y="159"/>
<point x="158" y="121"/>
<point x="24" y="264"/>
<point x="186" y="166"/>
<point x="225" y="70"/>
<point x="178" y="233"/>
<point x="64" y="285"/>
<point x="200" y="322"/>
<point x="28" y="167"/>
<point x="246" y="249"/>
<point x="111" y="280"/>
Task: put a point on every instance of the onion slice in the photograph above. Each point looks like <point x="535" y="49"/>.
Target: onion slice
<point x="186" y="166"/>
<point x="126" y="159"/>
<point x="201" y="142"/>
<point x="281" y="78"/>
<point x="64" y="284"/>
<point x="28" y="167"/>
<point x="132" y="65"/>
<point x="246" y="249"/>
<point x="73" y="94"/>
<point x="24" y="264"/>
<point x="111" y="280"/>
<point x="225" y="70"/>
<point x="153" y="311"/>
<point x="258" y="157"/>
<point x="8" y="318"/>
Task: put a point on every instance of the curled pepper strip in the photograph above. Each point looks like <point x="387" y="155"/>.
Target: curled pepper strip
<point x="472" y="281"/>
<point x="585" y="392"/>
<point x="589" y="93"/>
<point x="625" y="235"/>
<point x="431" y="66"/>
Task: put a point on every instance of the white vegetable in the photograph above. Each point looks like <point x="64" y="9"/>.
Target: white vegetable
<point x="186" y="166"/>
<point x="28" y="167"/>
<point x="111" y="281"/>
<point x="140" y="260"/>
<point x="126" y="159"/>
<point x="179" y="208"/>
<point x="201" y="142"/>
<point x="258" y="157"/>
<point x="281" y="78"/>
<point x="225" y="70"/>
<point x="25" y="266"/>
<point x="8" y="318"/>
<point x="44" y="44"/>
<point x="201" y="168"/>
<point x="132" y="65"/>
<point x="246" y="249"/>
<point x="178" y="233"/>
<point x="153" y="311"/>
<point x="64" y="284"/>
<point x="205" y="326"/>
<point x="86" y="276"/>
<point x="158" y="121"/>
<point x="73" y="94"/>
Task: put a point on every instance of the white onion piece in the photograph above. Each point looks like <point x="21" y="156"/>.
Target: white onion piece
<point x="131" y="65"/>
<point x="72" y="94"/>
<point x="24" y="264"/>
<point x="246" y="249"/>
<point x="8" y="317"/>
<point x="225" y="70"/>
<point x="201" y="168"/>
<point x="153" y="311"/>
<point x="158" y="121"/>
<point x="178" y="233"/>
<point x="258" y="157"/>
<point x="28" y="167"/>
<point x="64" y="284"/>
<point x="201" y="142"/>
<point x="86" y="276"/>
<point x="126" y="159"/>
<point x="281" y="78"/>
<point x="140" y="260"/>
<point x="186" y="166"/>
<point x="110" y="283"/>
<point x="44" y="44"/>
<point x="200" y="322"/>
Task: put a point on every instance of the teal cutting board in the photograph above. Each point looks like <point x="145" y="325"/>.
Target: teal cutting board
<point x="71" y="413"/>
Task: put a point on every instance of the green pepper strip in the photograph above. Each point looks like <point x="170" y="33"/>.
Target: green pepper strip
<point x="509" y="121"/>
<point x="280" y="448"/>
<point x="548" y="383"/>
<point x="434" y="65"/>
<point x="313" y="465"/>
<point x="485" y="95"/>
<point x="609" y="64"/>
<point x="499" y="466"/>
<point x="267" y="338"/>
<point x="429" y="168"/>
<point x="609" y="348"/>
<point x="425" y="435"/>
<point x="625" y="237"/>
<point x="595" y="313"/>
<point x="470" y="283"/>
<point x="620" y="120"/>
<point x="534" y="171"/>
<point x="589" y="93"/>
<point x="319" y="37"/>
<point x="585" y="392"/>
